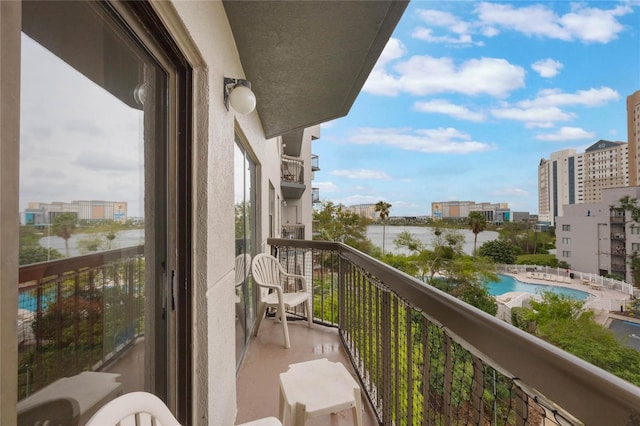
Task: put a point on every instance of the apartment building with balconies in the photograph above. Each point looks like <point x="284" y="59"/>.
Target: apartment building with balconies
<point x="599" y="238"/>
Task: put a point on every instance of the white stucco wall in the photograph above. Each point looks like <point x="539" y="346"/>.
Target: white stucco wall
<point x="206" y="31"/>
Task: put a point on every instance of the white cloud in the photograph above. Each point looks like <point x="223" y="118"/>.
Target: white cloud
<point x="441" y="140"/>
<point x="440" y="106"/>
<point x="555" y="97"/>
<point x="328" y="124"/>
<point x="426" y="34"/>
<point x="325" y="186"/>
<point x="361" y="174"/>
<point x="566" y="134"/>
<point x="379" y="81"/>
<point x="394" y="49"/>
<point x="547" y="68"/>
<point x="424" y="75"/>
<point x="446" y="21"/>
<point x="594" y="25"/>
<point x="533" y="117"/>
<point x="585" y="24"/>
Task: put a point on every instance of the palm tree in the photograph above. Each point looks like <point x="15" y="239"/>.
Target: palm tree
<point x="383" y="211"/>
<point x="477" y="223"/>
<point x="63" y="226"/>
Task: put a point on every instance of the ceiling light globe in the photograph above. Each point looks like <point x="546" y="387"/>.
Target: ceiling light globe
<point x="242" y="99"/>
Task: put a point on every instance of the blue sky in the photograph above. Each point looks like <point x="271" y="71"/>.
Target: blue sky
<point x="467" y="97"/>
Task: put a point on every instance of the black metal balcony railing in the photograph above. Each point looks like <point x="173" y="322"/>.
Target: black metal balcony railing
<point x="292" y="170"/>
<point x="424" y="357"/>
<point x="315" y="162"/>
<point x="315" y="195"/>
<point x="617" y="219"/>
<point x="75" y="314"/>
<point x="293" y="231"/>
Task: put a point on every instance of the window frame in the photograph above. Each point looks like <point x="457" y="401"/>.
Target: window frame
<point x="143" y="23"/>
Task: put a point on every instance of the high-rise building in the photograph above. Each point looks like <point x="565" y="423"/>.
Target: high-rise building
<point x="570" y="178"/>
<point x="559" y="180"/>
<point x="606" y="165"/>
<point x="633" y="137"/>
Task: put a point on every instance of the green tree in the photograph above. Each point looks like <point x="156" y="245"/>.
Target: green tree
<point x="465" y="277"/>
<point x="89" y="244"/>
<point x="383" y="212"/>
<point x="477" y="223"/>
<point x="29" y="236"/>
<point x="562" y="322"/>
<point x="36" y="254"/>
<point x="63" y="227"/>
<point x="335" y="223"/>
<point x="499" y="251"/>
<point x="407" y="240"/>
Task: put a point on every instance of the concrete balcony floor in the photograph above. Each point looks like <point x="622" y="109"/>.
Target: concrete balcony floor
<point x="257" y="385"/>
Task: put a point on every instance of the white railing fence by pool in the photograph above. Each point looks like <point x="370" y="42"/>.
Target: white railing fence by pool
<point x="585" y="277"/>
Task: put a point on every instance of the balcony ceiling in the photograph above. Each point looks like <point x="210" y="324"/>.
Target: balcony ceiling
<point x="308" y="60"/>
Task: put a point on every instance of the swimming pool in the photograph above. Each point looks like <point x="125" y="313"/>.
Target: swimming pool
<point x="507" y="283"/>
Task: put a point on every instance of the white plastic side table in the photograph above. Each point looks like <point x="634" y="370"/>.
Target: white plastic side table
<point x="318" y="387"/>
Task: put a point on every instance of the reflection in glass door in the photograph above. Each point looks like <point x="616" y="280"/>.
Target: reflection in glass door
<point x="93" y="196"/>
<point x="244" y="200"/>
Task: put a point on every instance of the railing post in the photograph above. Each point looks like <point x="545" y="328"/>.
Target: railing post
<point x="76" y="317"/>
<point x="91" y="324"/>
<point x="426" y="367"/>
<point x="448" y="379"/>
<point x="341" y="295"/>
<point x="409" y="334"/>
<point x="385" y="350"/>
<point x="477" y="389"/>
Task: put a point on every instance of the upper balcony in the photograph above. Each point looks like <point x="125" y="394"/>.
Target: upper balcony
<point x="315" y="163"/>
<point x="315" y="195"/>
<point x="292" y="177"/>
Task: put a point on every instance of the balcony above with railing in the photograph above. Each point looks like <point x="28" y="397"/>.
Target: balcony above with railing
<point x="292" y="177"/>
<point x="315" y="163"/>
<point x="315" y="195"/>
<point x="293" y="231"/>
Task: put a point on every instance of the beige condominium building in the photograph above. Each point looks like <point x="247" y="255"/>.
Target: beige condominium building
<point x="568" y="177"/>
<point x="599" y="237"/>
<point x="633" y="137"/>
<point x="364" y="210"/>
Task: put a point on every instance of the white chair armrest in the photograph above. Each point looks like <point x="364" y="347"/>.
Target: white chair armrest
<point x="301" y="277"/>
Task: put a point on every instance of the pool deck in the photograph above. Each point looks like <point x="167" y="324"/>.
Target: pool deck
<point x="603" y="301"/>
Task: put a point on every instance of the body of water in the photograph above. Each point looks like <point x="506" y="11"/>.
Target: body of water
<point x="424" y="234"/>
<point x="507" y="284"/>
<point x="126" y="238"/>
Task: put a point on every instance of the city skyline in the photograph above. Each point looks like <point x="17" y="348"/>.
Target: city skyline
<point x="468" y="97"/>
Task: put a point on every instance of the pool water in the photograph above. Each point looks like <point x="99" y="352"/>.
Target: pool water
<point x="507" y="283"/>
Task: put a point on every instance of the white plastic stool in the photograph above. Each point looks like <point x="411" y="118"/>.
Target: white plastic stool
<point x="318" y="387"/>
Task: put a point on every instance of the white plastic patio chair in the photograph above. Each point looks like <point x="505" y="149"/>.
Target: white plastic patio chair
<point x="137" y="408"/>
<point x="269" y="275"/>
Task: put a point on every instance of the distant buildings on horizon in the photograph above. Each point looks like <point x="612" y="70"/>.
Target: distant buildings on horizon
<point x="493" y="212"/>
<point x="38" y="213"/>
